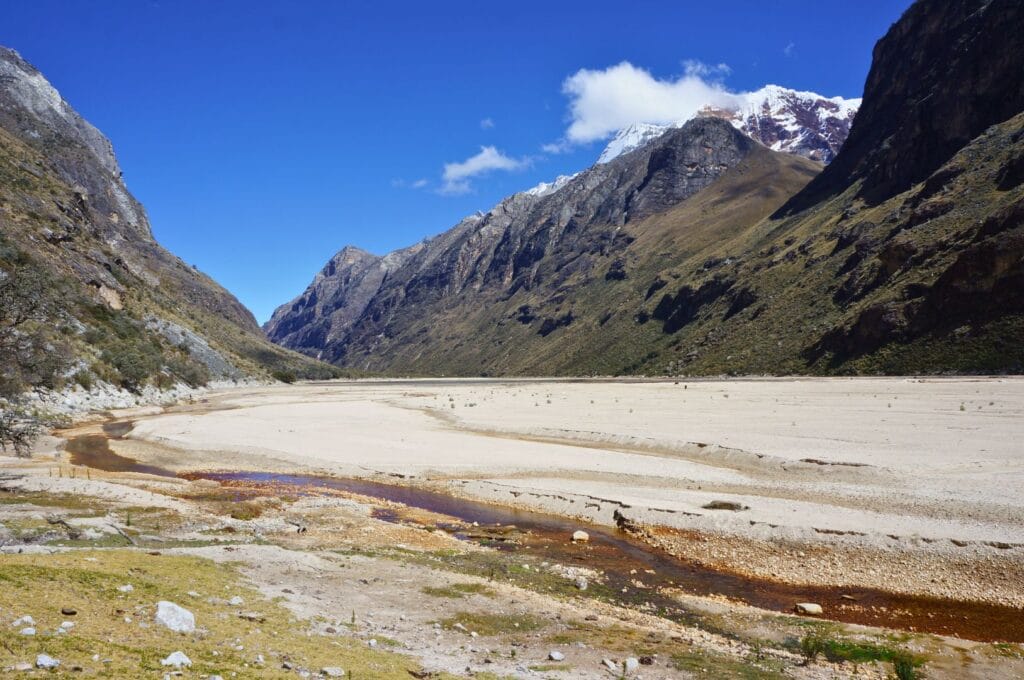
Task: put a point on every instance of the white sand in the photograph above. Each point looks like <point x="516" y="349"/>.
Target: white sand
<point x="941" y="458"/>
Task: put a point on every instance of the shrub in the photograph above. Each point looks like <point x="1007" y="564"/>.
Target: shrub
<point x="283" y="375"/>
<point x="84" y="379"/>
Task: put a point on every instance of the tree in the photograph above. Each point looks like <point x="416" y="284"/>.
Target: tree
<point x="30" y="354"/>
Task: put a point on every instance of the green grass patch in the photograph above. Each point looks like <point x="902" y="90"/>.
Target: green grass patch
<point x="493" y="624"/>
<point x="458" y="590"/>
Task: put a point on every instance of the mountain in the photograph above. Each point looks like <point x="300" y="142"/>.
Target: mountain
<point x="804" y="123"/>
<point x="539" y="266"/>
<point x="702" y="251"/>
<point x="101" y="291"/>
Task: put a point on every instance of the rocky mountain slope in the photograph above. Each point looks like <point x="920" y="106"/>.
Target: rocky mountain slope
<point x="904" y="255"/>
<point x="117" y="305"/>
<point x="804" y="123"/>
<point x="520" y="268"/>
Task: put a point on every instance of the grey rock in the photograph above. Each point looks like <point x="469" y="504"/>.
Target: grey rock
<point x="556" y="656"/>
<point x="46" y="661"/>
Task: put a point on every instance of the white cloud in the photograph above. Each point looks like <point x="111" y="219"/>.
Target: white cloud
<point x="790" y="49"/>
<point x="487" y="124"/>
<point x="604" y="101"/>
<point x="415" y="184"/>
<point x="555" y="148"/>
<point x="711" y="72"/>
<point x="457" y="175"/>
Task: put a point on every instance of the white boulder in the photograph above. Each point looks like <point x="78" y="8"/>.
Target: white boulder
<point x="177" y="659"/>
<point x="175" y="618"/>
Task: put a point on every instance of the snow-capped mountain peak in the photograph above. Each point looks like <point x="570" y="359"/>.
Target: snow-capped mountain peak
<point x="792" y="121"/>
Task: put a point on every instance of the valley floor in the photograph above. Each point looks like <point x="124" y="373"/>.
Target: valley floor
<point x="890" y="502"/>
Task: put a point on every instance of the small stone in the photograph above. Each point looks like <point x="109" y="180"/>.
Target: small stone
<point x="646" y="660"/>
<point x="24" y="621"/>
<point x="46" y="661"/>
<point x="23" y="666"/>
<point x="579" y="536"/>
<point x="67" y="625"/>
<point x="556" y="656"/>
<point x="610" y="665"/>
<point x="127" y="588"/>
<point x="474" y="634"/>
<point x="590" y="617"/>
<point x="28" y="631"/>
<point x="809" y="608"/>
<point x="372" y="643"/>
<point x="236" y="601"/>
<point x="332" y="672"/>
<point x="176" y="618"/>
<point x="177" y="659"/>
<point x="581" y="583"/>
<point x="632" y="664"/>
<point x="68" y="611"/>
<point x="459" y="626"/>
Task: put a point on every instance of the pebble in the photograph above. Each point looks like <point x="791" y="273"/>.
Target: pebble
<point x="556" y="656"/>
<point x="332" y="672"/>
<point x="610" y="665"/>
<point x="372" y="643"/>
<point x="580" y="536"/>
<point x="68" y="611"/>
<point x="236" y="601"/>
<point x="28" y="631"/>
<point x="22" y="666"/>
<point x="127" y="588"/>
<point x="24" y="621"/>
<point x="808" y="608"/>
<point x="177" y="659"/>
<point x="632" y="664"/>
<point x="46" y="661"/>
<point x="581" y="583"/>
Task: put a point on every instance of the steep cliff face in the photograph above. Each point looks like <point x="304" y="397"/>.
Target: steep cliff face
<point x="123" y="300"/>
<point x="942" y="74"/>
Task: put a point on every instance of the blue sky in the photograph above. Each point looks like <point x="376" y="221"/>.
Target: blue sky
<point x="263" y="136"/>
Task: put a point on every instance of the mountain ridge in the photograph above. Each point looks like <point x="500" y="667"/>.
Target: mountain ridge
<point x="769" y="276"/>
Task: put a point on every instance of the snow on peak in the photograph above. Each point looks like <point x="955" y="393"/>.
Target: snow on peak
<point x="781" y="118"/>
<point x="629" y="138"/>
<point x="548" y="188"/>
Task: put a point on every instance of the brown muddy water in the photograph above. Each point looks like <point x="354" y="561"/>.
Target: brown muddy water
<point x="634" y="573"/>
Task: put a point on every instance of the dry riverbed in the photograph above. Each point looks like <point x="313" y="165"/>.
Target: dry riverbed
<point x="852" y="490"/>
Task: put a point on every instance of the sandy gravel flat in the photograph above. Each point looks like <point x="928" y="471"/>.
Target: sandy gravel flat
<point x="933" y="464"/>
